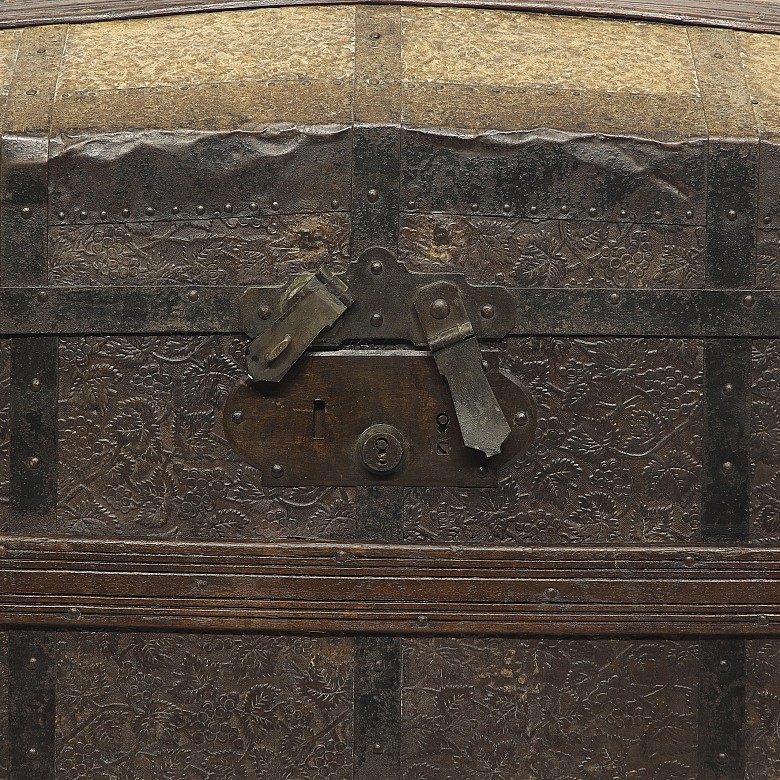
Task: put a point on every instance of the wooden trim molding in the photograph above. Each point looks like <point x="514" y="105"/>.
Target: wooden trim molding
<point x="390" y="589"/>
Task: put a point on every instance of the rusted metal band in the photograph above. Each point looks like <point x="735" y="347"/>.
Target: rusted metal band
<point x="757" y="15"/>
<point x="376" y="160"/>
<point x="390" y="589"/>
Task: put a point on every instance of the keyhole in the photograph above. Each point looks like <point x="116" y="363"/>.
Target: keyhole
<point x="318" y="427"/>
<point x="442" y="421"/>
<point x="381" y="448"/>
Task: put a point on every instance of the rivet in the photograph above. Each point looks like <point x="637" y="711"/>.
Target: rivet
<point x="74" y="612"/>
<point x="440" y="309"/>
<point x="482" y="471"/>
<point x="411" y="205"/>
<point x="748" y="301"/>
<point x="592" y="211"/>
<point x="728" y="388"/>
<point x="728" y="467"/>
<point x="26" y="213"/>
<point x="507" y="207"/>
<point x="488" y="311"/>
<point x="33" y="661"/>
<point x="732" y="215"/>
<point x="193" y="295"/>
<point x="125" y="213"/>
<point x="253" y="206"/>
<point x="342" y="556"/>
<point x="373" y="195"/>
<point x="763" y="620"/>
<point x="275" y="205"/>
<point x="689" y="560"/>
<point x="722" y="757"/>
<point x="723" y="665"/>
<point x="564" y="209"/>
<point x="657" y="214"/>
<point x="34" y="462"/>
<point x="200" y="209"/>
<point x="623" y="213"/>
<point x="377" y="319"/>
<point x="377" y="748"/>
<point x="237" y="417"/>
<point x="32" y="752"/>
<point x="149" y="211"/>
<point x="534" y="209"/>
<point x="422" y="620"/>
<point x="377" y="268"/>
<point x="485" y="365"/>
<point x="43" y="296"/>
<point x="474" y="206"/>
<point x="277" y="470"/>
<point x="103" y="214"/>
<point x="35" y="384"/>
<point x="228" y="208"/>
<point x="61" y="215"/>
<point x="689" y="214"/>
<point x="83" y="214"/>
<point x="521" y="419"/>
<point x="614" y="298"/>
<point x="264" y="311"/>
<point x="551" y="593"/>
<point x="175" y="210"/>
<point x="768" y="219"/>
<point x="499" y="278"/>
<point x="378" y="666"/>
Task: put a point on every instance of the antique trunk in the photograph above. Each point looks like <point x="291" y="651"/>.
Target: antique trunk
<point x="389" y="392"/>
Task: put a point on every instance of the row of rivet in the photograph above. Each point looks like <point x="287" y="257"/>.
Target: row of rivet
<point x="150" y="211"/>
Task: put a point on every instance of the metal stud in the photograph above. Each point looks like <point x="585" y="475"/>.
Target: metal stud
<point x="377" y="268"/>
<point x="33" y="752"/>
<point x="334" y="204"/>
<point x="623" y="213"/>
<point x="474" y="206"/>
<point x="731" y="215"/>
<point x="61" y="215"/>
<point x="200" y="209"/>
<point x="689" y="560"/>
<point x="534" y="209"/>
<point x="488" y="311"/>
<point x="422" y="620"/>
<point x="175" y="210"/>
<point x="34" y="462"/>
<point x="521" y="419"/>
<point x="377" y="748"/>
<point x="440" y="309"/>
<point x="342" y="556"/>
<point x="376" y="320"/>
<point x="103" y="214"/>
<point x="614" y="298"/>
<point x="411" y="205"/>
<point x="748" y="301"/>
<point x="228" y="208"/>
<point x="689" y="214"/>
<point x="728" y="467"/>
<point x="253" y="206"/>
<point x="564" y="209"/>
<point x="125" y="213"/>
<point x="83" y="214"/>
<point x="728" y="388"/>
<point x="149" y="211"/>
<point x="33" y="662"/>
<point x="35" y="384"/>
<point x="264" y="311"/>
<point x="237" y="417"/>
<point x="74" y="612"/>
<point x="592" y="211"/>
<point x="482" y="471"/>
<point x="277" y="470"/>
<point x="657" y="214"/>
<point x="372" y="195"/>
<point x="768" y="219"/>
<point x="763" y="620"/>
<point x="43" y="296"/>
<point x="507" y="207"/>
<point x="275" y="205"/>
<point x="26" y="213"/>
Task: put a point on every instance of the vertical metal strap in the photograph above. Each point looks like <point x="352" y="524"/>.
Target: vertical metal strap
<point x="375" y="209"/>
<point x="24" y="151"/>
<point x="731" y="241"/>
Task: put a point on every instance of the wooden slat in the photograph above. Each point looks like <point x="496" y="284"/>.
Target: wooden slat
<point x="318" y="587"/>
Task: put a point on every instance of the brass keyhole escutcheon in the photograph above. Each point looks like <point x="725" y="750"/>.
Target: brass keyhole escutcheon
<point x="381" y="449"/>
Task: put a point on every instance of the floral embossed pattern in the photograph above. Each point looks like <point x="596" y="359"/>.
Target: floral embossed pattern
<point x="555" y="253"/>
<point x="549" y="709"/>
<point x="144" y="453"/>
<point x="762" y="716"/>
<point x="227" y="707"/>
<point x="5" y="412"/>
<point x="765" y="442"/>
<point x="616" y="456"/>
<point x="248" y="250"/>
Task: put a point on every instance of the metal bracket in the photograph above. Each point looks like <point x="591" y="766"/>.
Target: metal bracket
<point x="450" y="336"/>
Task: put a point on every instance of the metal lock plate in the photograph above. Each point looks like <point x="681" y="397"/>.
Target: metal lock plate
<point x="320" y="426"/>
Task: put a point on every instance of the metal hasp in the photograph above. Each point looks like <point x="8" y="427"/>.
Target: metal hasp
<point x="310" y="304"/>
<point x="451" y="338"/>
<point x="378" y="299"/>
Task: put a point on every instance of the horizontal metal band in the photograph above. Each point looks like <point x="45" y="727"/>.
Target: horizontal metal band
<point x="316" y="587"/>
<point x="760" y="15"/>
<point x="597" y="312"/>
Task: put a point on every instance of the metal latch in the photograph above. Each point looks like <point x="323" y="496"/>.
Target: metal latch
<point x="378" y="299"/>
